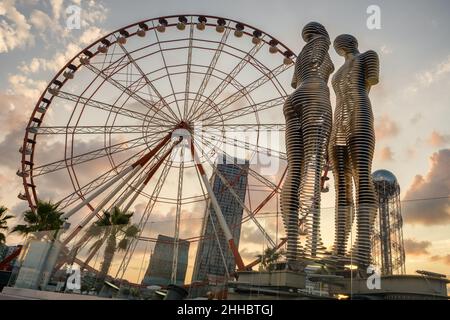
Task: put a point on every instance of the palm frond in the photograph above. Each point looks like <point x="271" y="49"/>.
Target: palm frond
<point x="123" y="244"/>
<point x="132" y="231"/>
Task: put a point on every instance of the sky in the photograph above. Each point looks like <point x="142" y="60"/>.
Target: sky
<point x="410" y="104"/>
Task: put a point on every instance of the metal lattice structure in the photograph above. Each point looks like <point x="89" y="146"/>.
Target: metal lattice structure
<point x="308" y="124"/>
<point x="113" y="111"/>
<point x="351" y="149"/>
<point x="388" y="251"/>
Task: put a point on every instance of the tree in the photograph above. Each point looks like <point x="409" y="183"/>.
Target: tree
<point x="269" y="258"/>
<point x="115" y="228"/>
<point x="4" y="222"/>
<point x="46" y="217"/>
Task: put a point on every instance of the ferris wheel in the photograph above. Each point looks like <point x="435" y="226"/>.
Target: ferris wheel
<point x="145" y="114"/>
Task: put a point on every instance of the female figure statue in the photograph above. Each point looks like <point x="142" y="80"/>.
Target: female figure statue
<point x="308" y="124"/>
<point x="351" y="147"/>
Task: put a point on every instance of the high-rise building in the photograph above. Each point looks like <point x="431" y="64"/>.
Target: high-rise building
<point x="159" y="271"/>
<point x="388" y="252"/>
<point x="214" y="258"/>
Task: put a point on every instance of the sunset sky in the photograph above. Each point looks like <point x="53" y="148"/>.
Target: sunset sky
<point x="411" y="103"/>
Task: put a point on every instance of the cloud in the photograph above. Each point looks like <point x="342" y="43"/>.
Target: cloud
<point x="416" y="248"/>
<point x="386" y="154"/>
<point x="444" y="259"/>
<point x="90" y="35"/>
<point x="56" y="8"/>
<point x="40" y="20"/>
<point x="94" y="12"/>
<point x="416" y="118"/>
<point x="427" y="78"/>
<point x="59" y="59"/>
<point x="249" y="255"/>
<point x="411" y="152"/>
<point x="14" y="29"/>
<point x="19" y="31"/>
<point x="435" y="184"/>
<point x="55" y="63"/>
<point x="385" y="127"/>
<point x="250" y="234"/>
<point x="437" y="139"/>
<point x="386" y="49"/>
<point x="15" y="112"/>
<point x="24" y="86"/>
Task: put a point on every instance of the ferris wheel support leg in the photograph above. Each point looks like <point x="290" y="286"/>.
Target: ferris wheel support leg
<point x="222" y="222"/>
<point x="135" y="195"/>
<point x="102" y="204"/>
<point x="138" y="187"/>
<point x="146" y="179"/>
<point x="97" y="192"/>
<point x="134" y="168"/>
<point x="135" y="187"/>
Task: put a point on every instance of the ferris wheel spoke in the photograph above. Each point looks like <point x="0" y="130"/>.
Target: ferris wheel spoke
<point x="148" y="82"/>
<point x="167" y="70"/>
<point x="102" y="179"/>
<point x="138" y="184"/>
<point x="208" y="103"/>
<point x="129" y="92"/>
<point x="106" y="107"/>
<point x="266" y="77"/>
<point x="178" y="217"/>
<point x="245" y="145"/>
<point x="243" y="127"/>
<point x="231" y="76"/>
<point x="210" y="70"/>
<point x="91" y="155"/>
<point x="275" y="188"/>
<point x="188" y="70"/>
<point x="254" y="173"/>
<point x="94" y="183"/>
<point x="98" y="130"/>
<point x="145" y="216"/>
<point x="124" y="177"/>
<point x="236" y="197"/>
<point x="250" y="109"/>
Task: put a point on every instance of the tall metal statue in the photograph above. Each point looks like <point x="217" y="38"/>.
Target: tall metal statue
<point x="351" y="147"/>
<point x="308" y="125"/>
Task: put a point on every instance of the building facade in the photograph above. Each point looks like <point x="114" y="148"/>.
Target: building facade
<point x="214" y="258"/>
<point x="159" y="271"/>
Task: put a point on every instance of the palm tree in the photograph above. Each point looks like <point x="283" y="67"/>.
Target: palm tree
<point x="269" y="258"/>
<point x="46" y="217"/>
<point x="115" y="228"/>
<point x="4" y="222"/>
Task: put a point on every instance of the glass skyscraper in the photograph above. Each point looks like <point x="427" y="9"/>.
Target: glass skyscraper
<point x="209" y="261"/>
<point x="159" y="271"/>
